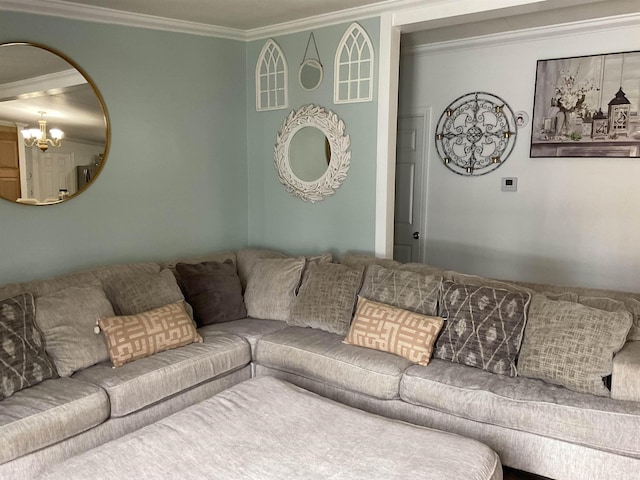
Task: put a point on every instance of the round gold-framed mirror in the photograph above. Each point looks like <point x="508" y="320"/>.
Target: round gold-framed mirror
<point x="54" y="126"/>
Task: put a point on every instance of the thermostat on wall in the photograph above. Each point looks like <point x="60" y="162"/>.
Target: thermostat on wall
<point x="509" y="184"/>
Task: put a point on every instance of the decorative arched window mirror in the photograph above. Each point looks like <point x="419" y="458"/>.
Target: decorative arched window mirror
<point x="271" y="78"/>
<point x="354" y="67"/>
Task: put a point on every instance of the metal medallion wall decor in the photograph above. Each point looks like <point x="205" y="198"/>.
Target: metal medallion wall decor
<point x="475" y="134"/>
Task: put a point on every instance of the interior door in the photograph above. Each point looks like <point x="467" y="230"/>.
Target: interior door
<point x="9" y="163"/>
<point x="410" y="201"/>
<point x="54" y="171"/>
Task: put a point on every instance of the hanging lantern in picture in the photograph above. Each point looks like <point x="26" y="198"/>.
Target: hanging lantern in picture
<point x="600" y="126"/>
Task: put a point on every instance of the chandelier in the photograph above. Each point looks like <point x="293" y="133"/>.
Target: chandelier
<point x="38" y="137"/>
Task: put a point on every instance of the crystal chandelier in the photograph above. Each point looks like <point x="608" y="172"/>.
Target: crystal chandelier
<point x="38" y="137"/>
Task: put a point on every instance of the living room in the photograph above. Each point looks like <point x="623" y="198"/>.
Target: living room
<point x="189" y="168"/>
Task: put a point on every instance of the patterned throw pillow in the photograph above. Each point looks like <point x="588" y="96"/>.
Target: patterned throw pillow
<point x="394" y="330"/>
<point x="23" y="360"/>
<point x="402" y="289"/>
<point x="272" y="286"/>
<point x="213" y="290"/>
<point x="67" y="319"/>
<point x="483" y="326"/>
<point x="571" y="344"/>
<point x="142" y="292"/>
<point x="137" y="336"/>
<point x="327" y="297"/>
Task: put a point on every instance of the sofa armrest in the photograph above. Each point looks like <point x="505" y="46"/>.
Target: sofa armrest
<point x="625" y="380"/>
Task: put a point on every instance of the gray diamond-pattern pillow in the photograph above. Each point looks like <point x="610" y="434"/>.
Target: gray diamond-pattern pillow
<point x="403" y="289"/>
<point x="23" y="360"/>
<point x="571" y="344"/>
<point x="483" y="326"/>
<point x="327" y="297"/>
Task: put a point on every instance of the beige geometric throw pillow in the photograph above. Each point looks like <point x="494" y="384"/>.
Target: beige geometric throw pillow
<point x="389" y="329"/>
<point x="137" y="336"/>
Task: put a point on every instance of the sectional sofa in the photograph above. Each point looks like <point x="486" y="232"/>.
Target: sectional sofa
<point x="291" y="323"/>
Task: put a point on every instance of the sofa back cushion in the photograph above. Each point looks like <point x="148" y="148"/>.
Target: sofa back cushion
<point x="67" y="319"/>
<point x="213" y="290"/>
<point x="23" y="360"/>
<point x="272" y="288"/>
<point x="131" y="294"/>
<point x="403" y="289"/>
<point x="327" y="297"/>
<point x="571" y="344"/>
<point x="483" y="326"/>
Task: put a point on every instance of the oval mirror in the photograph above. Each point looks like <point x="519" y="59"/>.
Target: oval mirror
<point x="310" y="74"/>
<point x="312" y="154"/>
<point x="54" y="127"/>
<point x="309" y="154"/>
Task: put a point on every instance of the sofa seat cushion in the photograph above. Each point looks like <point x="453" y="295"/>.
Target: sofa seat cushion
<point x="251" y="329"/>
<point x="148" y="380"/>
<point x="525" y="404"/>
<point x="321" y="356"/>
<point x="48" y="413"/>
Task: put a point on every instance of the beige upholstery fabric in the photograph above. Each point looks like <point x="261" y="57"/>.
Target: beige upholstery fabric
<point x="625" y="378"/>
<point x="131" y="337"/>
<point x="571" y="344"/>
<point x="272" y="287"/>
<point x="139" y="293"/>
<point x="363" y="260"/>
<point x="403" y="289"/>
<point x="327" y="297"/>
<point x="251" y="329"/>
<point x="67" y="319"/>
<point x="390" y="329"/>
<point x="322" y="356"/>
<point x="525" y="404"/>
<point x="146" y="381"/>
<point x="48" y="413"/>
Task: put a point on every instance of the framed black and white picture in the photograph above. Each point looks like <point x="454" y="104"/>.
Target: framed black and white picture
<point x="587" y="106"/>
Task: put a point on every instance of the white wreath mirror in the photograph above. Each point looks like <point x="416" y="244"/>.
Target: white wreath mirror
<point x="312" y="154"/>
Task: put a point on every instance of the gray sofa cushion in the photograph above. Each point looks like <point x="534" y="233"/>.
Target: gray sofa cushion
<point x="48" y="413"/>
<point x="403" y="289"/>
<point x="137" y="293"/>
<point x="148" y="380"/>
<point x="327" y="297"/>
<point x="321" y="356"/>
<point x="23" y="359"/>
<point x="251" y="329"/>
<point x="571" y="344"/>
<point x="67" y="319"/>
<point x="271" y="289"/>
<point x="526" y="405"/>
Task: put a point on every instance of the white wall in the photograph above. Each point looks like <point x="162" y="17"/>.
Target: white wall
<point x="573" y="220"/>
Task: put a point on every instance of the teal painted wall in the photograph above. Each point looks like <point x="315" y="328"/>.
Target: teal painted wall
<point x="175" y="181"/>
<point x="344" y="221"/>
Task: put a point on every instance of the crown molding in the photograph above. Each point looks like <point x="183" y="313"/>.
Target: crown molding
<point x="60" y="8"/>
<point x="35" y="86"/>
<point x="531" y="34"/>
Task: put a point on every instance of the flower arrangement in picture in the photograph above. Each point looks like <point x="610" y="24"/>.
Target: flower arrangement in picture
<point x="570" y="96"/>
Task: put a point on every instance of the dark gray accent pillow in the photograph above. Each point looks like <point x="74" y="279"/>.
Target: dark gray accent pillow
<point x="67" y="319"/>
<point x="403" y="289"/>
<point x="213" y="290"/>
<point x="483" y="327"/>
<point x="571" y="344"/>
<point x="133" y="294"/>
<point x="327" y="297"/>
<point x="23" y="360"/>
